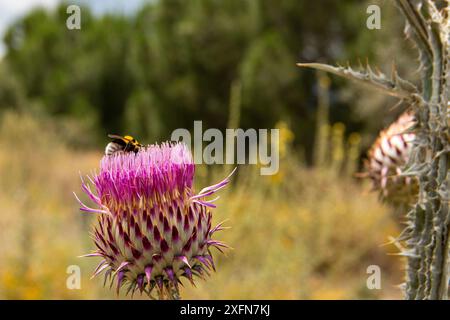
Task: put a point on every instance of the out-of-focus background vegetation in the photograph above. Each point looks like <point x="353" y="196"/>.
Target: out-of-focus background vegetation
<point x="308" y="232"/>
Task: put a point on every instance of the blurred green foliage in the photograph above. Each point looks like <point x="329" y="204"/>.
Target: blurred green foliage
<point x="175" y="61"/>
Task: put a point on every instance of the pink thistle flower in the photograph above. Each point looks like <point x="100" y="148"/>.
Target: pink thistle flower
<point x="152" y="229"/>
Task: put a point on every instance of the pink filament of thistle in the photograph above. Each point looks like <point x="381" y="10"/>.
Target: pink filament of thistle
<point x="154" y="170"/>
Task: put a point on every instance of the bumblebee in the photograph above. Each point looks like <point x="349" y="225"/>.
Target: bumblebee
<point x="122" y="144"/>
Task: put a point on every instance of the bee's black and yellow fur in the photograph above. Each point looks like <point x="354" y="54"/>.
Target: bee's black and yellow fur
<point x="122" y="144"/>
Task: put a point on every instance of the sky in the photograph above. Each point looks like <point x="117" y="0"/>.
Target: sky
<point x="10" y="10"/>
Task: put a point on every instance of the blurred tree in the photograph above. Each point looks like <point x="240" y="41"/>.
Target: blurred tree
<point x="174" y="61"/>
<point x="11" y="91"/>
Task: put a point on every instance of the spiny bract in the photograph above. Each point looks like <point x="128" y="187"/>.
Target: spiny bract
<point x="152" y="230"/>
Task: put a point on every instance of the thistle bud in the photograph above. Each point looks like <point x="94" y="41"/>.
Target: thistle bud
<point x="387" y="158"/>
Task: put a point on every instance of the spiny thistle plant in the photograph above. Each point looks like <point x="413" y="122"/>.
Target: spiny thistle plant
<point x="386" y="159"/>
<point x="427" y="235"/>
<point x="152" y="229"/>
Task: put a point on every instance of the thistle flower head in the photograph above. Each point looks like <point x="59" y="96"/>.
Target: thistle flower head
<point x="152" y="229"/>
<point x="387" y="158"/>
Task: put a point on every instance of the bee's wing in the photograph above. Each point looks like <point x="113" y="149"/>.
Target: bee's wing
<point x="115" y="136"/>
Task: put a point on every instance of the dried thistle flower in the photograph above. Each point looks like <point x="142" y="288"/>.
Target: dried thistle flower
<point x="152" y="229"/>
<point x="386" y="159"/>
